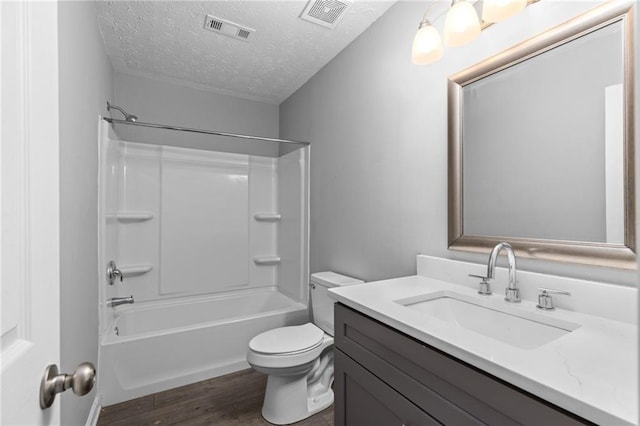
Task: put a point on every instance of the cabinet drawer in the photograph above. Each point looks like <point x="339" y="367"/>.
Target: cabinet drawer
<point x="363" y="400"/>
<point x="438" y="383"/>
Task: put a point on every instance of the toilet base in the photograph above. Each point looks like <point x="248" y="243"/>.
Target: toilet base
<point x="291" y="398"/>
<point x="283" y="404"/>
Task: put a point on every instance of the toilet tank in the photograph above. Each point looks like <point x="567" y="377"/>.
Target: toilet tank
<point x="321" y="302"/>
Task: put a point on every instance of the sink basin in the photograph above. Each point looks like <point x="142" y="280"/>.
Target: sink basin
<point x="519" y="328"/>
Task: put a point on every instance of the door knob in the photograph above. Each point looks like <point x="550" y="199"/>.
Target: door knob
<point x="81" y="381"/>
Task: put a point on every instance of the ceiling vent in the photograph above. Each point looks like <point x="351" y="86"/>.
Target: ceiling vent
<point x="228" y="28"/>
<point x="325" y="12"/>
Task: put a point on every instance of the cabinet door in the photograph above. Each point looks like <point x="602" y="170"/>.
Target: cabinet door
<point x="361" y="399"/>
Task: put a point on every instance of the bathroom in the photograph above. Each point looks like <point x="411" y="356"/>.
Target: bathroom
<point x="378" y="171"/>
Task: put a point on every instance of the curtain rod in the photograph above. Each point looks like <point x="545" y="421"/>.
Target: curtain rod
<point x="206" y="132"/>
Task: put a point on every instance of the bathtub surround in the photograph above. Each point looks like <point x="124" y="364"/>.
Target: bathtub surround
<point x="293" y="206"/>
<point x="85" y="81"/>
<point x="212" y="247"/>
<point x="183" y="221"/>
<point x="379" y="171"/>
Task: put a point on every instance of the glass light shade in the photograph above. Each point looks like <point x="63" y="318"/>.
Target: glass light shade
<point x="427" y="46"/>
<point x="499" y="10"/>
<point x="462" y="24"/>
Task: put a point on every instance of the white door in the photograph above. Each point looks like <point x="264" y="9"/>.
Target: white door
<point x="29" y="214"/>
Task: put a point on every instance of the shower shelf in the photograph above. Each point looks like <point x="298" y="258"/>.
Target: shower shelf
<point x="267" y="217"/>
<point x="129" y="217"/>
<point x="266" y="260"/>
<point x="134" y="270"/>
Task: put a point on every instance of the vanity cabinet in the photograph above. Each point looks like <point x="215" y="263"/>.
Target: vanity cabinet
<point x="384" y="377"/>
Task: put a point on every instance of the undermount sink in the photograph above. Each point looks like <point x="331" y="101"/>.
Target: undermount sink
<point x="519" y="328"/>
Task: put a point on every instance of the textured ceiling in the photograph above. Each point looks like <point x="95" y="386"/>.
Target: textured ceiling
<point x="166" y="39"/>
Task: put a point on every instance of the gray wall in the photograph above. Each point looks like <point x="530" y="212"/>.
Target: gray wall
<point x="85" y="84"/>
<point x="378" y="128"/>
<point x="158" y="101"/>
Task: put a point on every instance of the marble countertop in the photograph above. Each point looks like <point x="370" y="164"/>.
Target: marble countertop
<point x="591" y="371"/>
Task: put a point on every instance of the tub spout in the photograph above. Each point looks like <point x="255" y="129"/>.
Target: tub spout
<point x="116" y="301"/>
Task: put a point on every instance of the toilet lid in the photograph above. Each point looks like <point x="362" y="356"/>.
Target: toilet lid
<point x="284" y="340"/>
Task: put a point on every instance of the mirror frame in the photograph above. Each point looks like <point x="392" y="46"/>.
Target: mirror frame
<point x="592" y="253"/>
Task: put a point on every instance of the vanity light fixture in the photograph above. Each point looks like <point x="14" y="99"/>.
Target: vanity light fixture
<point x="427" y="45"/>
<point x="461" y="25"/>
<point x="499" y="10"/>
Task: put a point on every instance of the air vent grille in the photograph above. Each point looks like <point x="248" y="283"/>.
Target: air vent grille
<point x="243" y="33"/>
<point x="325" y="12"/>
<point x="227" y="28"/>
<point x="215" y="25"/>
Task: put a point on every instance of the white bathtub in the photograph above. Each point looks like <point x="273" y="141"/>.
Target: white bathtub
<point x="169" y="344"/>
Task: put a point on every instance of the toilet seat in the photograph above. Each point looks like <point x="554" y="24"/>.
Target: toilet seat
<point x="287" y="340"/>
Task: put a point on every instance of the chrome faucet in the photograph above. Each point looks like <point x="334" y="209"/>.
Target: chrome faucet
<point x="512" y="294"/>
<point x="117" y="301"/>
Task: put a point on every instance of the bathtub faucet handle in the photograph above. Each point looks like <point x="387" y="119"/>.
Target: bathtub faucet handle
<point x="113" y="272"/>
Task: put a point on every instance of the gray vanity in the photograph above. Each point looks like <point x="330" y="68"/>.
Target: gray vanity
<point x="384" y="377"/>
<point x="432" y="349"/>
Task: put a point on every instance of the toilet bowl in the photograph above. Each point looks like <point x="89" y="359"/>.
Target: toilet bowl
<point x="299" y="359"/>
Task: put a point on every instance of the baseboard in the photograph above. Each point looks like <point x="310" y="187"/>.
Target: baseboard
<point x="94" y="413"/>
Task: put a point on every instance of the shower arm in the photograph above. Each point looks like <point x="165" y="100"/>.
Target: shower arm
<point x="202" y="131"/>
<point x="128" y="117"/>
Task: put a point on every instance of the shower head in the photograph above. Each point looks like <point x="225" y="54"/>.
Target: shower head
<point x="127" y="116"/>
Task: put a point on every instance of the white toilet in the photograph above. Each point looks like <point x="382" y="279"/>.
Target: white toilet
<point x="299" y="359"/>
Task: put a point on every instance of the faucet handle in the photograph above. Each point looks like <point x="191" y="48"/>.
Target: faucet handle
<point x="485" y="287"/>
<point x="113" y="273"/>
<point x="545" y="301"/>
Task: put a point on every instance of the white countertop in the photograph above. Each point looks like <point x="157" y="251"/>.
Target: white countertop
<point x="591" y="371"/>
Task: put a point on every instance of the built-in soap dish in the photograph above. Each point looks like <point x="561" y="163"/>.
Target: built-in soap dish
<point x="130" y="217"/>
<point x="267" y="260"/>
<point x="267" y="217"/>
<point x="135" y="270"/>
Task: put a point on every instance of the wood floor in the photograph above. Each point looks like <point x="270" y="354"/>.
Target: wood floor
<point x="234" y="400"/>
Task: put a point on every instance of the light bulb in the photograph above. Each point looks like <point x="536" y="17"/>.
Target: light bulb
<point x="427" y="46"/>
<point x="462" y="24"/>
<point x="499" y="10"/>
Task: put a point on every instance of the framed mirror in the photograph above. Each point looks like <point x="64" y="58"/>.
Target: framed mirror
<point x="541" y="149"/>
